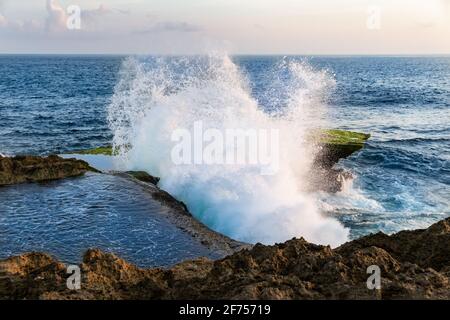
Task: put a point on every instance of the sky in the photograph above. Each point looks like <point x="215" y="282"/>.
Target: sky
<point x="235" y="26"/>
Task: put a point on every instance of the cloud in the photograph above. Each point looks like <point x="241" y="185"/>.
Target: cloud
<point x="55" y="22"/>
<point x="122" y="11"/>
<point x="91" y="15"/>
<point x="3" y="21"/>
<point x="18" y="26"/>
<point x="56" y="17"/>
<point x="172" y="26"/>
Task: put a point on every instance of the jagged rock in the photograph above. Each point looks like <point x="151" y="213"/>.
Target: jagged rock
<point x="144" y="176"/>
<point x="414" y="264"/>
<point x="22" y="169"/>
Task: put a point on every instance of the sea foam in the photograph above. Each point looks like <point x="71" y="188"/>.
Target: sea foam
<point x="157" y="95"/>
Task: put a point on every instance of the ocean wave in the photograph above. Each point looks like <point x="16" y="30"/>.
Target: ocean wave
<point x="156" y="95"/>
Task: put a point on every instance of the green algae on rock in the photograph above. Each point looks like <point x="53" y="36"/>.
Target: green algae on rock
<point x="105" y="150"/>
<point x="337" y="144"/>
<point x="344" y="137"/>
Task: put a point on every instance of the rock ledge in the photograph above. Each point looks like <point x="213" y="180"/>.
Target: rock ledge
<point x="22" y="169"/>
<point x="414" y="265"/>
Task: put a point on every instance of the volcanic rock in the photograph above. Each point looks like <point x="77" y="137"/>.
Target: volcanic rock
<point x="22" y="169"/>
<point x="413" y="265"/>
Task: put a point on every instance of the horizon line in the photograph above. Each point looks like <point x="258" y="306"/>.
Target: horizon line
<point x="231" y="54"/>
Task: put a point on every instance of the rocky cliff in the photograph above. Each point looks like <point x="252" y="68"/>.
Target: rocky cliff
<point x="413" y="264"/>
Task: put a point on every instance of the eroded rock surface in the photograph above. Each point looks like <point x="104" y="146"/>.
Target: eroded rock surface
<point x="22" y="169"/>
<point x="414" y="264"/>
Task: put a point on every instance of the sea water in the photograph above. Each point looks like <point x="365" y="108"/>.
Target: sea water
<point x="55" y="104"/>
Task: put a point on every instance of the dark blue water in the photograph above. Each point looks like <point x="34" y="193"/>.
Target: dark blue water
<point x="404" y="171"/>
<point x="403" y="174"/>
<point x="52" y="104"/>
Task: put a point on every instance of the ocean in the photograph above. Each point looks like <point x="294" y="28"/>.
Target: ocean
<point x="55" y="104"/>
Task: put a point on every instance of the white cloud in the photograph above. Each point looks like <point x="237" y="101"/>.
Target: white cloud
<point x="3" y="21"/>
<point x="56" y="17"/>
<point x="253" y="26"/>
<point x="55" y="21"/>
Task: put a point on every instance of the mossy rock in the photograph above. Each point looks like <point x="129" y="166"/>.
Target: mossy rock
<point x="338" y="144"/>
<point x="105" y="150"/>
<point x="343" y="137"/>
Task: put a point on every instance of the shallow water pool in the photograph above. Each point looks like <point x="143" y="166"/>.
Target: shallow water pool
<point x="66" y="217"/>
